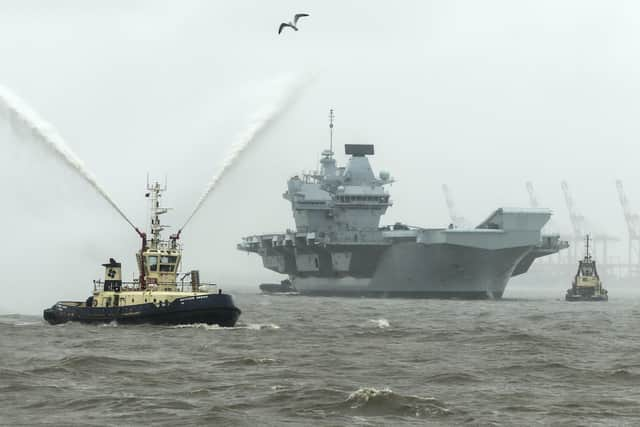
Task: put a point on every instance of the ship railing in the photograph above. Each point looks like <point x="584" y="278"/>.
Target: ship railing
<point x="182" y="286"/>
<point x="165" y="245"/>
<point x="311" y="177"/>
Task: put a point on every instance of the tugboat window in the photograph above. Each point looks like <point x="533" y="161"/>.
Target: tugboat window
<point x="152" y="261"/>
<point x="166" y="267"/>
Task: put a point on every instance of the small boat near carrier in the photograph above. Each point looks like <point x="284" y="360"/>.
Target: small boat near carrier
<point x="586" y="285"/>
<point x="284" y="287"/>
<point x="156" y="296"/>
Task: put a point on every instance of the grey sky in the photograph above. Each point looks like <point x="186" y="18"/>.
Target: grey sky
<point x="482" y="96"/>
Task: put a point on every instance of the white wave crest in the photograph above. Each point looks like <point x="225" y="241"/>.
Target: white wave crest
<point x="112" y="324"/>
<point x="364" y="394"/>
<point x="380" y="323"/>
<point x="208" y="327"/>
<point x="259" y="326"/>
<point x="386" y="402"/>
<point x="19" y="322"/>
<point x="198" y="326"/>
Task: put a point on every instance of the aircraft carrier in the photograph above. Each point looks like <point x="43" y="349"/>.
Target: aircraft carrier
<point x="339" y="247"/>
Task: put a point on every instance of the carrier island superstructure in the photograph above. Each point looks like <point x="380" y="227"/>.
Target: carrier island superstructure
<point x="339" y="247"/>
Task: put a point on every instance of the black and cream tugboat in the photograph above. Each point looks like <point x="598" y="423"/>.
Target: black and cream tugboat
<point x="156" y="297"/>
<point x="587" y="285"/>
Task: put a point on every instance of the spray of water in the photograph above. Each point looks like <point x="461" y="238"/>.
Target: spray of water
<point x="286" y="91"/>
<point x="20" y="115"/>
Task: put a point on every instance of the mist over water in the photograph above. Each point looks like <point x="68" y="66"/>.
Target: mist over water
<point x="20" y="114"/>
<point x="285" y="90"/>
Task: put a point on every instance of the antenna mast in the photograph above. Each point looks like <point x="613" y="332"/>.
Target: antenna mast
<point x="155" y="192"/>
<point x="587" y="240"/>
<point x="331" y="117"/>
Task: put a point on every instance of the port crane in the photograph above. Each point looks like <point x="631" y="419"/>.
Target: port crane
<point x="533" y="200"/>
<point x="580" y="228"/>
<point x="551" y="226"/>
<point x="456" y="220"/>
<point x="633" y="230"/>
<point x="577" y="220"/>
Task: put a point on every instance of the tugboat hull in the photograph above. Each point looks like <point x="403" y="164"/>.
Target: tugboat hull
<point x="211" y="309"/>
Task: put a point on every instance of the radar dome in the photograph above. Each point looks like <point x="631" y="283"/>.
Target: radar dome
<point x="384" y="175"/>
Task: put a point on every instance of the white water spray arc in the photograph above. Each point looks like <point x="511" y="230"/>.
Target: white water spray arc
<point x="19" y="113"/>
<point x="286" y="91"/>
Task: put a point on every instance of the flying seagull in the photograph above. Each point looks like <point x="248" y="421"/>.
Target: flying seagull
<point x="292" y="24"/>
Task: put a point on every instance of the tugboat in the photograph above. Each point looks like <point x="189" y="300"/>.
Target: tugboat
<point x="587" y="285"/>
<point x="156" y="296"/>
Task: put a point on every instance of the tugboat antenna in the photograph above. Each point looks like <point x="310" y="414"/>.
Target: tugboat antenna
<point x="331" y="117"/>
<point x="155" y="193"/>
<point x="587" y="240"/>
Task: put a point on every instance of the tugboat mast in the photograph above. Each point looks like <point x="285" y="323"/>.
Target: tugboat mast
<point x="587" y="247"/>
<point x="155" y="192"/>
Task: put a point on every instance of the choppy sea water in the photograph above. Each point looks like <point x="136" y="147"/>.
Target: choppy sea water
<point x="296" y="360"/>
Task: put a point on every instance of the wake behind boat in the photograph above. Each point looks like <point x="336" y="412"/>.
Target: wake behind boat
<point x="156" y="297"/>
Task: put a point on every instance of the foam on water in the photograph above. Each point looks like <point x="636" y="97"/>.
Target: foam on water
<point x="372" y="401"/>
<point x="112" y="324"/>
<point x="18" y="323"/>
<point x="21" y="115"/>
<point x="260" y="326"/>
<point x="20" y="320"/>
<point x="285" y="90"/>
<point x="250" y="326"/>
<point x="380" y="323"/>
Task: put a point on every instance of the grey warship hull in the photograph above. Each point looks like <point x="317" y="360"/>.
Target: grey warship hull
<point x="416" y="270"/>
<point x="338" y="247"/>
<point x="420" y="263"/>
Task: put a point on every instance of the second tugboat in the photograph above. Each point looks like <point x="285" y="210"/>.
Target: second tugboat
<point x="156" y="297"/>
<point x="587" y="285"/>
